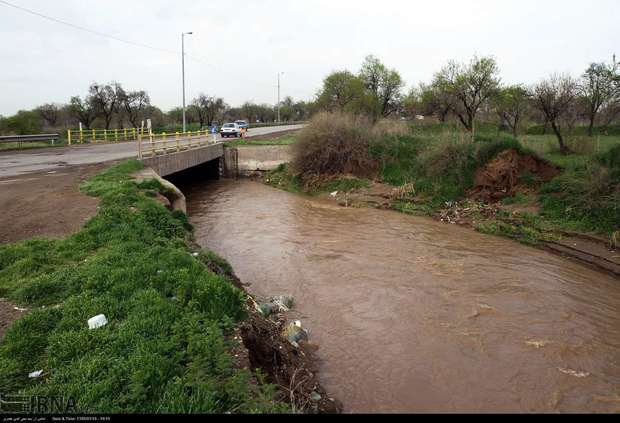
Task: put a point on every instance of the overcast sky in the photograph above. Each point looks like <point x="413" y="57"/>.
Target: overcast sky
<point x="239" y="46"/>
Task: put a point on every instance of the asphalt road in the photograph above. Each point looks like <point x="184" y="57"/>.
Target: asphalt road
<point x="16" y="163"/>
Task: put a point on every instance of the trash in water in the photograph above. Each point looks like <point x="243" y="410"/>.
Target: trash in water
<point x="574" y="373"/>
<point x="334" y="194"/>
<point x="279" y="304"/>
<point x="295" y="333"/>
<point x="21" y="310"/>
<point x="283" y="302"/>
<point x="537" y="344"/>
<point x="35" y="375"/>
<point x="97" y="322"/>
<point x="265" y="309"/>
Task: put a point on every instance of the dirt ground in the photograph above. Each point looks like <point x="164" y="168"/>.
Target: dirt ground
<point x="46" y="204"/>
<point x="8" y="314"/>
<point x="501" y="178"/>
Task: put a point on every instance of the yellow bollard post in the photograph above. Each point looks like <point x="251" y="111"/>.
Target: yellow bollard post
<point x="105" y="135"/>
<point x="94" y="136"/>
<point x="152" y="144"/>
<point x="116" y="135"/>
<point x="69" y="136"/>
<point x="125" y="137"/>
<point x="178" y="142"/>
<point x="81" y="136"/>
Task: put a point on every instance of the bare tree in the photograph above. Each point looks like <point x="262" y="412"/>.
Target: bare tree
<point x="598" y="88"/>
<point x="470" y="86"/>
<point x="208" y="108"/>
<point x="83" y="110"/>
<point x="435" y="101"/>
<point x="511" y="104"/>
<point x="135" y="104"/>
<point x="555" y="98"/>
<point x="50" y="113"/>
<point x="107" y="100"/>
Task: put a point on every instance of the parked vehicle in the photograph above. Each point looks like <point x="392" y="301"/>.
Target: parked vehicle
<point x="243" y="124"/>
<point x="230" y="130"/>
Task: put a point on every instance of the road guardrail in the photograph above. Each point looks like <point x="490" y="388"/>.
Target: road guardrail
<point x="29" y="138"/>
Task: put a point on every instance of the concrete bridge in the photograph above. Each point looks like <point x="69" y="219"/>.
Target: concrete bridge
<point x="184" y="155"/>
<point x="15" y="163"/>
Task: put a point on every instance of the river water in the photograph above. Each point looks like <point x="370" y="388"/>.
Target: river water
<point x="414" y="315"/>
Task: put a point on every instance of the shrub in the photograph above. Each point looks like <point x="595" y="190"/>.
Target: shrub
<point x="334" y="144"/>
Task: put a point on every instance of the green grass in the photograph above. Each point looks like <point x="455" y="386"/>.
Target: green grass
<point x="525" y="228"/>
<point x="283" y="178"/>
<point x="441" y="162"/>
<point x="167" y="346"/>
<point x="586" y="197"/>
<point x="287" y="139"/>
<point x="9" y="146"/>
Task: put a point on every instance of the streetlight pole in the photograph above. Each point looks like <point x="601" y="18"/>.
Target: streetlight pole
<point x="183" y="72"/>
<point x="279" y="73"/>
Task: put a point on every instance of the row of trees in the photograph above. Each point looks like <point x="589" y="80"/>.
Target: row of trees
<point x="375" y="90"/>
<point x="111" y="106"/>
<point x="470" y="92"/>
<point x="464" y="92"/>
<point x="559" y="101"/>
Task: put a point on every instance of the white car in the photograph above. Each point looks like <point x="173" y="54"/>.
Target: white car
<point x="230" y="130"/>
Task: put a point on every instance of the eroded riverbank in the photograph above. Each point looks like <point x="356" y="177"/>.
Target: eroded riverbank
<point x="415" y="315"/>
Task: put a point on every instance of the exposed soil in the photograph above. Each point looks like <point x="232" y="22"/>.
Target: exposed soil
<point x="503" y="176"/>
<point x="8" y="314"/>
<point x="45" y="204"/>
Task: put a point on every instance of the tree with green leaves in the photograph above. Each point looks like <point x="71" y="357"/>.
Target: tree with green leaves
<point x="24" y="122"/>
<point x="511" y="104"/>
<point x="342" y="91"/>
<point x="435" y="101"/>
<point x="384" y="87"/>
<point x="468" y="86"/>
<point x="598" y="88"/>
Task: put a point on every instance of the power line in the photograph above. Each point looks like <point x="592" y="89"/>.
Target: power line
<point x="112" y="37"/>
<point x="81" y="28"/>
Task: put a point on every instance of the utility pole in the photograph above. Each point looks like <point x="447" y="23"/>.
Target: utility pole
<point x="183" y="72"/>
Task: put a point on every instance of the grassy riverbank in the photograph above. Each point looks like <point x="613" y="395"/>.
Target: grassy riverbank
<point x="167" y="347"/>
<point x="443" y="165"/>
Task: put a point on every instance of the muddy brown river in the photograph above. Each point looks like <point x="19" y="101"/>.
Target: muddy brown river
<point x="413" y="315"/>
